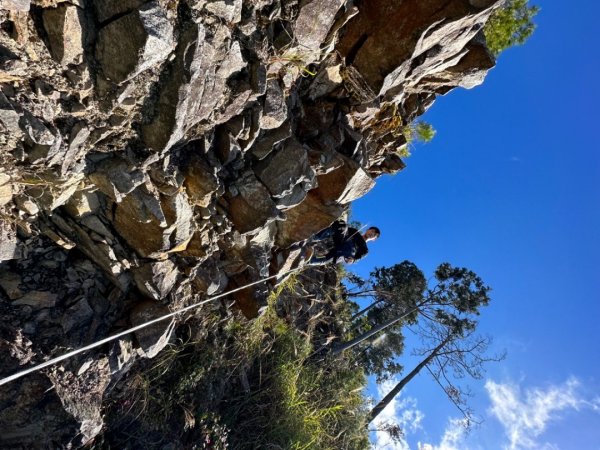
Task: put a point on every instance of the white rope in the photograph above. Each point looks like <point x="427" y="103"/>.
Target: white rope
<point x="53" y="361"/>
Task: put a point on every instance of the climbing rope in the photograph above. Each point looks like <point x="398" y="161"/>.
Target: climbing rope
<point x="68" y="355"/>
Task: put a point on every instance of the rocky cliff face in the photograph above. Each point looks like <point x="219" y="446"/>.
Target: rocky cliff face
<point x="154" y="153"/>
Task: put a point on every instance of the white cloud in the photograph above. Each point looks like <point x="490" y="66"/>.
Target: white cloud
<point x="452" y="438"/>
<point x="525" y="416"/>
<point x="401" y="411"/>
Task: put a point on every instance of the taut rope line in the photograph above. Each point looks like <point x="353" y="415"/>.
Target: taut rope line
<point x="53" y="361"/>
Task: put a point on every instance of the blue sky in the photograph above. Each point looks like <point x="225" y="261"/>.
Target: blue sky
<point x="509" y="188"/>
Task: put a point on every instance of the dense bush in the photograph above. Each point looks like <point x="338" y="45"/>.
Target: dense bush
<point x="237" y="384"/>
<point x="299" y="404"/>
<point x="296" y="402"/>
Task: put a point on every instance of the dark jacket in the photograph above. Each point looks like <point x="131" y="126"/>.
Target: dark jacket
<point x="344" y="242"/>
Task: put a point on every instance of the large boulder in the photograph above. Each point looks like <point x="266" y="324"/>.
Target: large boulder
<point x="345" y="184"/>
<point x="252" y="207"/>
<point x="139" y="220"/>
<point x="65" y="27"/>
<point x="135" y="42"/>
<point x="197" y="86"/>
<point x="285" y="169"/>
<point x="306" y="219"/>
<point x="417" y="36"/>
<point x="154" y="224"/>
<point x="468" y="72"/>
<point x="156" y="279"/>
<point x="313" y="24"/>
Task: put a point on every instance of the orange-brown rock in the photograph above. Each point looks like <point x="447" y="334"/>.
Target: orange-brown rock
<point x="378" y="47"/>
<point x="345" y="184"/>
<point x="253" y="207"/>
<point x="306" y="219"/>
<point x="137" y="222"/>
<point x="200" y="183"/>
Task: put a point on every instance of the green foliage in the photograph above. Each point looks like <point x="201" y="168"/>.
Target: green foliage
<point x="396" y="290"/>
<point x="402" y="284"/>
<point x="417" y="131"/>
<point x="424" y="132"/>
<point x="442" y="314"/>
<point x="401" y="291"/>
<point x="296" y="403"/>
<point x="510" y="25"/>
<point x="459" y="289"/>
<point x="300" y="404"/>
<point x="243" y="385"/>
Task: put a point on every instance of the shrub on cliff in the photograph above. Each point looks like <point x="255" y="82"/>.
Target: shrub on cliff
<point x="420" y="131"/>
<point x="235" y="384"/>
<point x="296" y="401"/>
<point x="510" y="25"/>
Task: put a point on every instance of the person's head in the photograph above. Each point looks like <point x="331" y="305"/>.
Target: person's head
<point x="371" y="234"/>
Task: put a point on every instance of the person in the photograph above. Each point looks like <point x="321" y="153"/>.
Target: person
<point x="342" y="244"/>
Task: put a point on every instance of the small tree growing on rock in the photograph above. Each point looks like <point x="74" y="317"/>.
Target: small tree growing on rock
<point x="510" y="25"/>
<point x="423" y="132"/>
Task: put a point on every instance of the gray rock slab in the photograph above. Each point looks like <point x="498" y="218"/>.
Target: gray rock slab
<point x="37" y="299"/>
<point x="116" y="178"/>
<point x="228" y="10"/>
<point x="275" y="108"/>
<point x="154" y="338"/>
<point x="314" y="22"/>
<point x="15" y="5"/>
<point x="253" y="207"/>
<point x="77" y="316"/>
<point x="285" y="169"/>
<point x="156" y="279"/>
<point x="65" y="28"/>
<point x="8" y="242"/>
<point x="268" y="139"/>
<point x="135" y="42"/>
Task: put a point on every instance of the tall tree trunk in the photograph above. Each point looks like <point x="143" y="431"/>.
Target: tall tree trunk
<point x="404" y="381"/>
<point x="364" y="310"/>
<point x="357" y="340"/>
